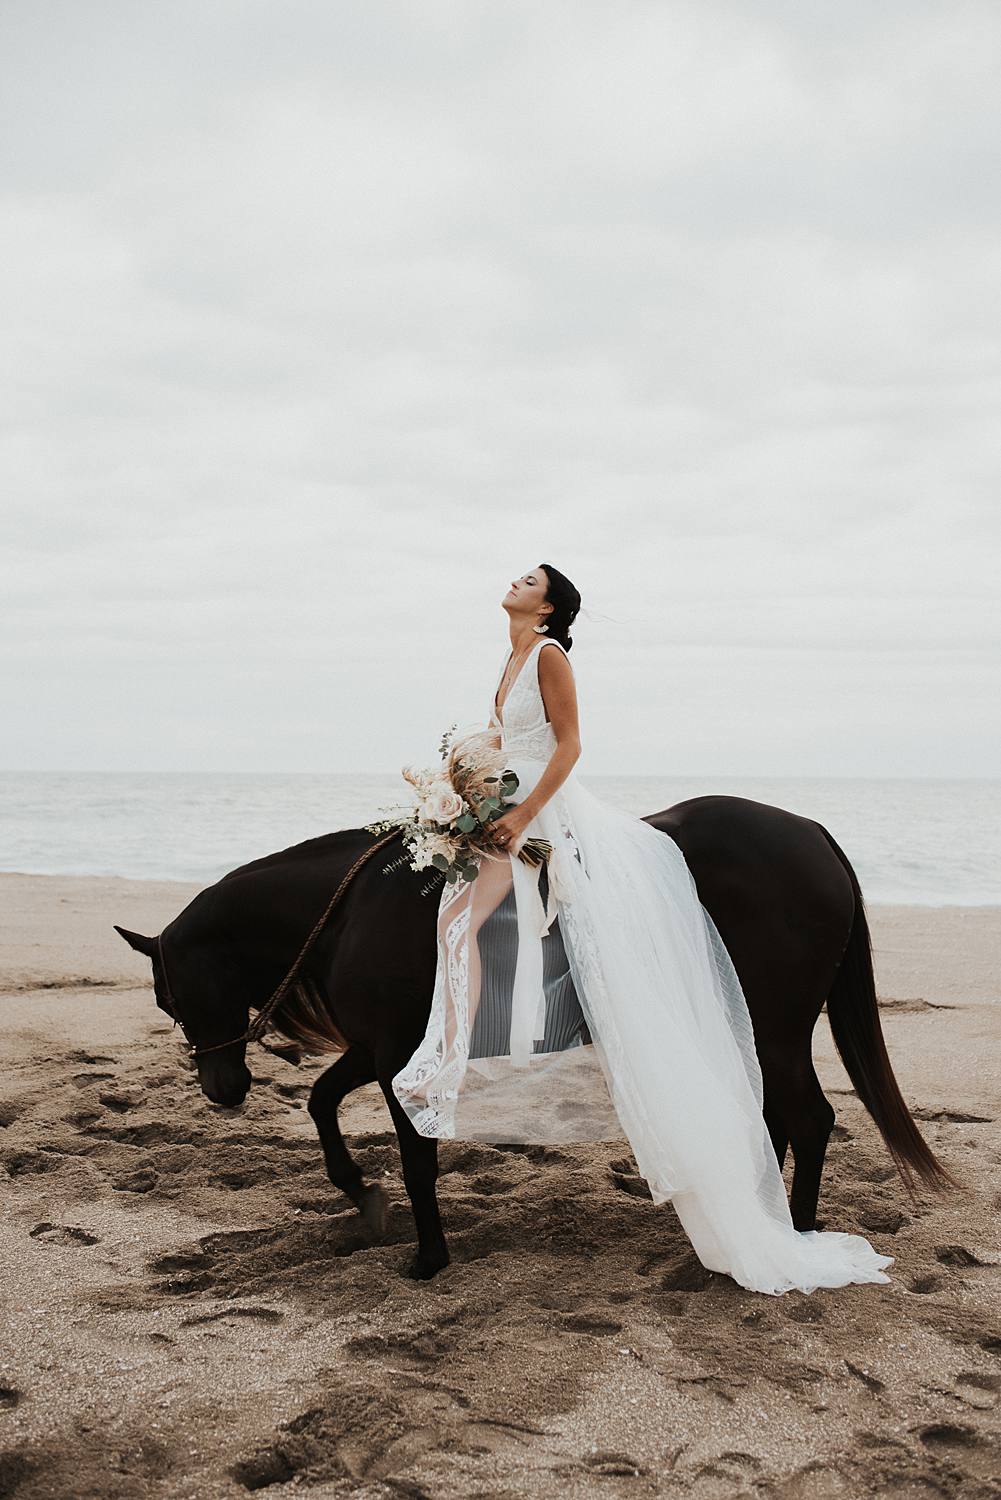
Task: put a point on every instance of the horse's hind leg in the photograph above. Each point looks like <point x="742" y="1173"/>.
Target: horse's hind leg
<point x="797" y="1114"/>
<point x="810" y="1120"/>
<point x="352" y="1069"/>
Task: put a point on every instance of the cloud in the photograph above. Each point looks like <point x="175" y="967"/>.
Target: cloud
<point x="324" y="322"/>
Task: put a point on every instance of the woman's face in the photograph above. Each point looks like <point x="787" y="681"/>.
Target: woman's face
<point x="526" y="597"/>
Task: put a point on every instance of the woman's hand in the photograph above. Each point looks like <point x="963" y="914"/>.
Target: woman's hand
<point x="508" y="829"/>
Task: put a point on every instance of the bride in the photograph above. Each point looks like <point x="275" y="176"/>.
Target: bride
<point x="593" y="996"/>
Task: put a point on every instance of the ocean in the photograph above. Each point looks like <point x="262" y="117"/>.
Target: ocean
<point x="926" y="842"/>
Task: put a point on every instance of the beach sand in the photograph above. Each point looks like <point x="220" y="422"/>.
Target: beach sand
<point x="190" y="1309"/>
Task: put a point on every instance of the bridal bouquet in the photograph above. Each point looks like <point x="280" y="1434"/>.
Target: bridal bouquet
<point x="449" y="828"/>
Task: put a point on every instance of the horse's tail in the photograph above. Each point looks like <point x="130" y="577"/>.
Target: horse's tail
<point x="853" y="1013"/>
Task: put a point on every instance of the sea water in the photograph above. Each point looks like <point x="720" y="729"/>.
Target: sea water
<point x="928" y="842"/>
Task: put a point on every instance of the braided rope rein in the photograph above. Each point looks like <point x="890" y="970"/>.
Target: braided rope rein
<point x="259" y="1024"/>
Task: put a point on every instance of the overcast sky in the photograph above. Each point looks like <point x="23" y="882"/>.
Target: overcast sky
<point x="322" y="322"/>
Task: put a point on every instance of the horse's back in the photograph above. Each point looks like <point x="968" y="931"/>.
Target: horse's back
<point x="771" y="881"/>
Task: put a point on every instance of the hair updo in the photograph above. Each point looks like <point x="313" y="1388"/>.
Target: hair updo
<point x="565" y="600"/>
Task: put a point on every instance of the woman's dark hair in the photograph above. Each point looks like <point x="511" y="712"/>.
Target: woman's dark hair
<point x="565" y="600"/>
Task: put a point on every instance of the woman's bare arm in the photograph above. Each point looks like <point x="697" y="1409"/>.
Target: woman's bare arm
<point x="559" y="694"/>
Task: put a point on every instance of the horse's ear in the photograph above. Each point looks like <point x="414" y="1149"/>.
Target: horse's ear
<point x="136" y="940"/>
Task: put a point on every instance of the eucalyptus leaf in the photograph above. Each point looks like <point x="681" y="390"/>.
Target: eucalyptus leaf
<point x="439" y="861"/>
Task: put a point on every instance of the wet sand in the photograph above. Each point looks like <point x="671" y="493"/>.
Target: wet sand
<point x="190" y="1309"/>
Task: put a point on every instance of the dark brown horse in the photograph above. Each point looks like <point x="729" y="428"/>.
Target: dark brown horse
<point x="781" y="892"/>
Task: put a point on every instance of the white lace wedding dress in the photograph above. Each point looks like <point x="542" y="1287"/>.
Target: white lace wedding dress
<point x="625" y="1015"/>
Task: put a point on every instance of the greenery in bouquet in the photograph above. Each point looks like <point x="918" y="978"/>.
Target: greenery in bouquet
<point x="448" y="828"/>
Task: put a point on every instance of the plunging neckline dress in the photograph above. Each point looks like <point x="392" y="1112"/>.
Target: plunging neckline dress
<point x="592" y="998"/>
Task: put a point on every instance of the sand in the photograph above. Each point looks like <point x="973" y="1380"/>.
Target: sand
<point x="190" y="1309"/>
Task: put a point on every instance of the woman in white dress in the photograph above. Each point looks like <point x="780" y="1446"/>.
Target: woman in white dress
<point x="646" y="981"/>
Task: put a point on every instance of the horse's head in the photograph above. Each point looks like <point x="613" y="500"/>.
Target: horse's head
<point x="213" y="1023"/>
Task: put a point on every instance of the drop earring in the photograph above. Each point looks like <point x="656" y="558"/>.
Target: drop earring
<point x="540" y="629"/>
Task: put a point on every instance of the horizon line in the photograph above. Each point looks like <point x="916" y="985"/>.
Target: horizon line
<point x="617" y="775"/>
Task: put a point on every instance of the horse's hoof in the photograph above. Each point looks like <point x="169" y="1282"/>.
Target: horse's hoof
<point x="373" y="1208"/>
<point x="422" y="1267"/>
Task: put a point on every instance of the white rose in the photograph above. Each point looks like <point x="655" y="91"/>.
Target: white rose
<point x="444" y="804"/>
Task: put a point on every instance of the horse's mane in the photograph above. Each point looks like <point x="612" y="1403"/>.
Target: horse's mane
<point x="304" y="1018"/>
<point x="303" y="1015"/>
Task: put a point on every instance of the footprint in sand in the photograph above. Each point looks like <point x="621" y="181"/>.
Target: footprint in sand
<point x="359" y="1432"/>
<point x="489" y="1183"/>
<point x="251" y="1177"/>
<point x="30" y="1163"/>
<point x="292" y="1090"/>
<point x="262" y="1470"/>
<point x="81" y="1118"/>
<point x="981" y="1391"/>
<point x="9" y="1397"/>
<point x="611" y="1464"/>
<point x="260" y="1314"/>
<point x="681" y="1272"/>
<point x="967" y="1454"/>
<point x="958" y="1255"/>
<point x="947" y="1435"/>
<point x="734" y="1467"/>
<point x="141" y="1180"/>
<point x="119" y="1102"/>
<point x="538" y="1155"/>
<point x="883" y="1220"/>
<point x="927" y="1283"/>
<point x="181" y="1260"/>
<point x="806" y="1312"/>
<point x="422" y="1348"/>
<point x="63" y="1234"/>
<point x="228" y="1261"/>
<point x="599" y="1328"/>
<point x="626" y="1177"/>
<point x="954" y="1116"/>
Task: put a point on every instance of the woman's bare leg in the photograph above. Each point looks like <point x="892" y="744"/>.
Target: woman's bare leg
<point x="459" y="925"/>
<point x="428" y="1087"/>
<point x="492" y="886"/>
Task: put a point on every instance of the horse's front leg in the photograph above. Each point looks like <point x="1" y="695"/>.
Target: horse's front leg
<point x="419" y="1159"/>
<point x="353" y="1069"/>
